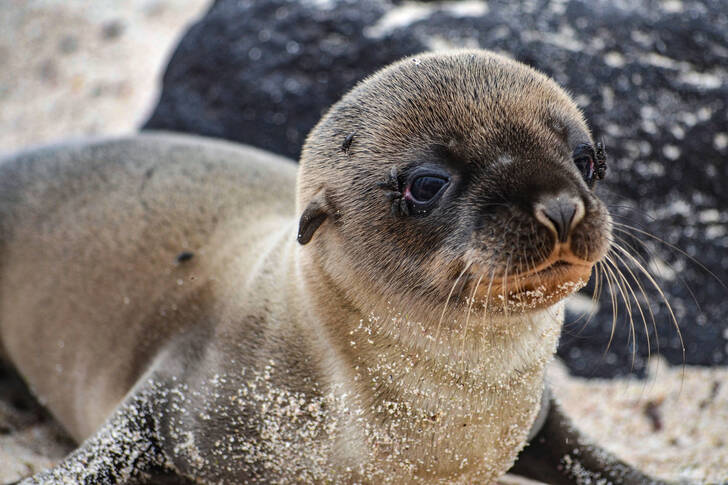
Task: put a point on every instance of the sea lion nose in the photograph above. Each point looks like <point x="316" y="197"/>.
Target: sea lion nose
<point x="560" y="214"/>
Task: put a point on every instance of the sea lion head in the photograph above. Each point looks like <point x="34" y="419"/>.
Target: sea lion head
<point x="454" y="177"/>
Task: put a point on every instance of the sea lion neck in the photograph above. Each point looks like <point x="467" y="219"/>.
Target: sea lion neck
<point x="420" y="396"/>
<point x="453" y="346"/>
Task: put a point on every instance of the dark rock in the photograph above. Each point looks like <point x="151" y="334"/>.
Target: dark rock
<point x="651" y="77"/>
<point x="263" y="72"/>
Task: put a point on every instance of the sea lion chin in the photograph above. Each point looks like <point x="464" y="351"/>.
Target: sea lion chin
<point x="533" y="291"/>
<point x="540" y="287"/>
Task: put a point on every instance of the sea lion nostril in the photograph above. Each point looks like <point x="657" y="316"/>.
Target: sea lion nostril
<point x="560" y="213"/>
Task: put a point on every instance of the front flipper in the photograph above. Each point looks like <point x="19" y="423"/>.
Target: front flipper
<point x="560" y="455"/>
<point x="123" y="451"/>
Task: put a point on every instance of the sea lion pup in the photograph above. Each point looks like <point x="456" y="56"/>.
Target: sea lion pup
<point x="172" y="306"/>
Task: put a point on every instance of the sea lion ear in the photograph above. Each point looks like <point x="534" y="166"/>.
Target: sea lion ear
<point x="313" y="216"/>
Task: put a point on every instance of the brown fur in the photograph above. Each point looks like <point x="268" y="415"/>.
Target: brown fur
<point x="358" y="355"/>
<point x="480" y="106"/>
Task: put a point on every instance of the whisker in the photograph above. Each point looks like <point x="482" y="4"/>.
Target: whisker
<point x="627" y="204"/>
<point x="613" y="300"/>
<point x="505" y="288"/>
<point x="664" y="299"/>
<point x="467" y="318"/>
<point x="654" y="255"/>
<point x="675" y="248"/>
<point x="642" y="290"/>
<point x="596" y="294"/>
<point x="634" y="296"/>
<point x="598" y="288"/>
<point x="611" y="267"/>
<point x="647" y="300"/>
<point x="447" y="301"/>
<point x="485" y="305"/>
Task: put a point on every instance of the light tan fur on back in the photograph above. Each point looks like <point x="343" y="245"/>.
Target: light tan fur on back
<point x="90" y="284"/>
<point x="393" y="344"/>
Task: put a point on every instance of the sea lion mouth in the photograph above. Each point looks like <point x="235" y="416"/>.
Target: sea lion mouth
<point x="555" y="275"/>
<point x="536" y="289"/>
<point x="556" y="269"/>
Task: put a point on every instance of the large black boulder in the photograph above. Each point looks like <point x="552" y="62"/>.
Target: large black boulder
<point x="651" y="77"/>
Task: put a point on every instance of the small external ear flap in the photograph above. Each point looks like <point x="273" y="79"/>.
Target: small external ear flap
<point x="313" y="216"/>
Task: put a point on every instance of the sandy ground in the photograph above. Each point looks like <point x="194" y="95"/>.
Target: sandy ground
<point x="71" y="68"/>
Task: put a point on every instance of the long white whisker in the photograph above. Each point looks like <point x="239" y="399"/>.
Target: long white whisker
<point x="642" y="291"/>
<point x="447" y="301"/>
<point x="664" y="298"/>
<point x="467" y="318"/>
<point x="672" y="246"/>
<point x="634" y="297"/>
<point x="613" y="300"/>
<point x="611" y="267"/>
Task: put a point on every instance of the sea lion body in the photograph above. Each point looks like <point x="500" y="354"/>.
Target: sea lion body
<point x="119" y="213"/>
<point x="117" y="305"/>
<point x="154" y="296"/>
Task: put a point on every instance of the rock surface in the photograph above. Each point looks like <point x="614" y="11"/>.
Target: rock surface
<point x="651" y="77"/>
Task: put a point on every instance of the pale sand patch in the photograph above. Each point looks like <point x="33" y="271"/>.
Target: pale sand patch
<point x="673" y="425"/>
<point x="71" y="68"/>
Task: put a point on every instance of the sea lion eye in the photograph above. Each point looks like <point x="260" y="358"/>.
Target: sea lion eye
<point x="584" y="160"/>
<point x="586" y="167"/>
<point x="426" y="187"/>
<point x="419" y="192"/>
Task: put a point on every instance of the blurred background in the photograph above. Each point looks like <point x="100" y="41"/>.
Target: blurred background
<point x="72" y="68"/>
<point x="651" y="77"/>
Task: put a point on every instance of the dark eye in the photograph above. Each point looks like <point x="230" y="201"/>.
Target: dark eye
<point x="586" y="167"/>
<point x="584" y="161"/>
<point x="426" y="187"/>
